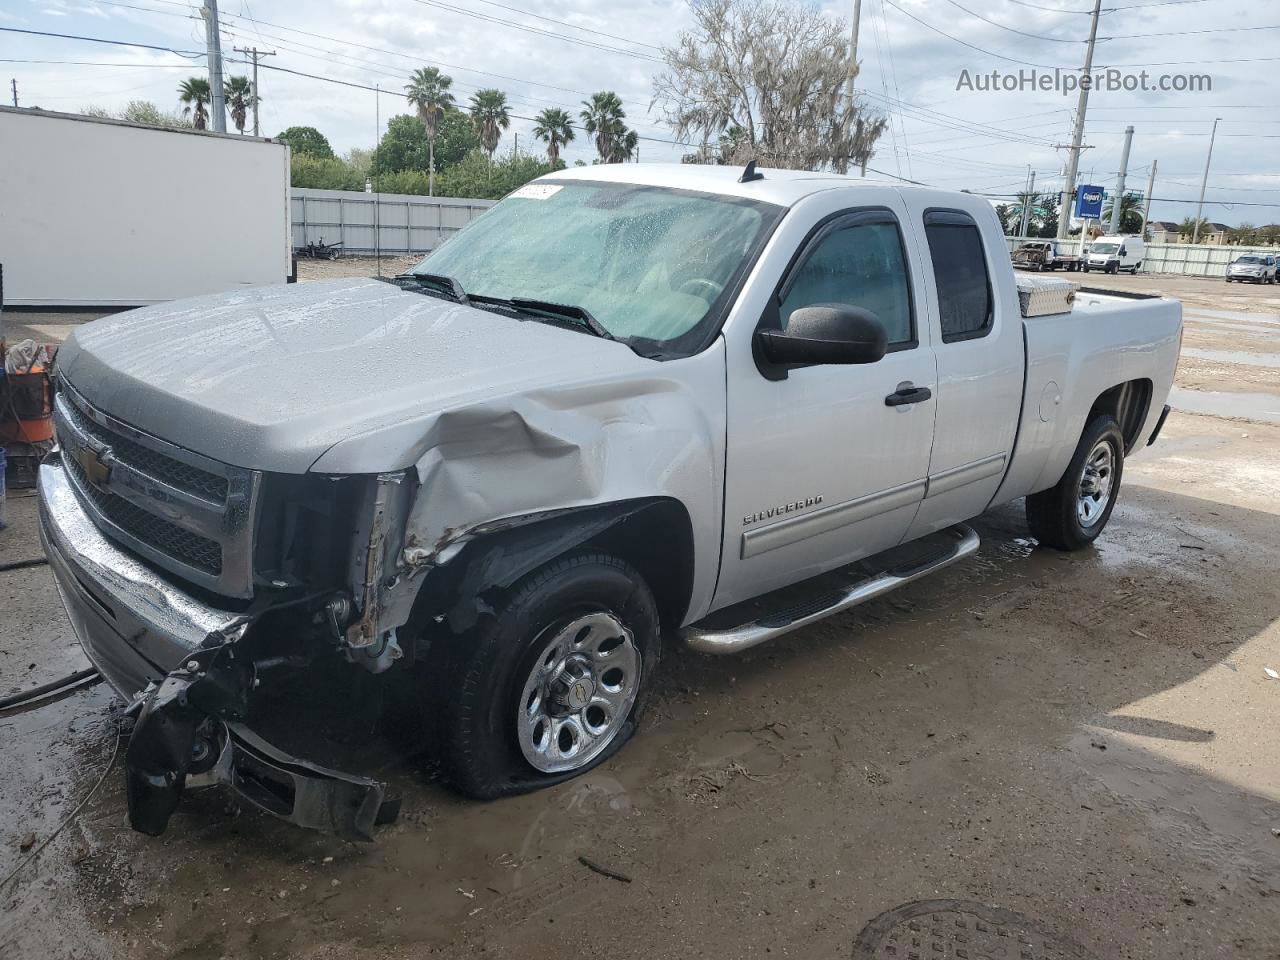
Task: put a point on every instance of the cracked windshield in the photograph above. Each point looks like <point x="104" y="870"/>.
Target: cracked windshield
<point x="647" y="263"/>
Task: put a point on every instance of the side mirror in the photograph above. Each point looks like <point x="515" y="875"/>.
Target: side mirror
<point x="826" y="333"/>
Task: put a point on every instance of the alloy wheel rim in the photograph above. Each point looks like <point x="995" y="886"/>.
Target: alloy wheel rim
<point x="1095" y="484"/>
<point x="578" y="694"/>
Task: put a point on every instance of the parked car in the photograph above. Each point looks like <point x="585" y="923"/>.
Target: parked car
<point x="1260" y="268"/>
<point x="1111" y="254"/>
<point x="629" y="405"/>
<point x="1041" y="255"/>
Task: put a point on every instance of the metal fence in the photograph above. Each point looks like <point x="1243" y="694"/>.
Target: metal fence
<point x="1186" y="259"/>
<point x="363" y="222"/>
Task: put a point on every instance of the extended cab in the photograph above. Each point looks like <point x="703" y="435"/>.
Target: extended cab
<point x="629" y="405"/>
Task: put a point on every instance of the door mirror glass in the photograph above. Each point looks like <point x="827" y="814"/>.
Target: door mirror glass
<point x="826" y="333"/>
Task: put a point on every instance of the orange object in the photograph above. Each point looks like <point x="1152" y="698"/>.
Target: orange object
<point x="26" y="414"/>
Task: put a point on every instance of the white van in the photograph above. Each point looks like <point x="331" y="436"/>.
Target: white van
<point x="1115" y="253"/>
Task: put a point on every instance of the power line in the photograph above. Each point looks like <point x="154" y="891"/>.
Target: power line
<point x="965" y="43"/>
<point x="1036" y="6"/>
<point x="573" y="26"/>
<point x="365" y="86"/>
<point x="1188" y="33"/>
<point x="118" y="43"/>
<point x="538" y="31"/>
<point x="414" y="57"/>
<point x="417" y="58"/>
<point x="370" y="66"/>
<point x="93" y="63"/>
<point x="1023" y="33"/>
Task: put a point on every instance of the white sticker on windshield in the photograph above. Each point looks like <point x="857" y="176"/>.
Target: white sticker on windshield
<point x="538" y="191"/>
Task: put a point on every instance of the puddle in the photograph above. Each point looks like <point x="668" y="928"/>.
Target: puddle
<point x="1264" y="407"/>
<point x="1268" y="360"/>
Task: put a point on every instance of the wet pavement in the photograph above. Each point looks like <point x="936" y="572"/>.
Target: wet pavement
<point x="1087" y="740"/>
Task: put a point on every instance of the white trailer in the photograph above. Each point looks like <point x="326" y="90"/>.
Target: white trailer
<point x="107" y="213"/>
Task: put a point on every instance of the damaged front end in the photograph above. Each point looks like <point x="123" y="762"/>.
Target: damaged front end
<point x="275" y="699"/>
<point x="194" y="729"/>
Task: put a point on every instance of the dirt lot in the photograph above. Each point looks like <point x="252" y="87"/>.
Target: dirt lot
<point x="1087" y="739"/>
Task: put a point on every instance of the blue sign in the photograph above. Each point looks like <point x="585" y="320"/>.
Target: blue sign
<point x="1088" y="202"/>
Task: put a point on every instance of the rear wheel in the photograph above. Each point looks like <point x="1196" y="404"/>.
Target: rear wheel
<point x="553" y="683"/>
<point x="1071" y="514"/>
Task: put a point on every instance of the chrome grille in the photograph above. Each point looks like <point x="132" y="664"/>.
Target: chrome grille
<point x="181" y="510"/>
<point x="181" y="475"/>
<point x="200" y="552"/>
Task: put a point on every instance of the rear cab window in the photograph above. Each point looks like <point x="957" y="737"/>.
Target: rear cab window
<point x="966" y="306"/>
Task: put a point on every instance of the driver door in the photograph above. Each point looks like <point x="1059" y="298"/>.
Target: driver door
<point x="827" y="464"/>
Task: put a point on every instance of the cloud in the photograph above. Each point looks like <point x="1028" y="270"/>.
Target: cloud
<point x="957" y="139"/>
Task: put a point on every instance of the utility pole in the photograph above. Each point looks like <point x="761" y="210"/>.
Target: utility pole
<point x="213" y="43"/>
<point x="254" y="53"/>
<point x="1195" y="236"/>
<point x="1026" y="202"/>
<point x="853" y="51"/>
<point x="1077" y="135"/>
<point x="1124" y="169"/>
<point x="13" y="83"/>
<point x="1146" y="207"/>
<point x="853" y="72"/>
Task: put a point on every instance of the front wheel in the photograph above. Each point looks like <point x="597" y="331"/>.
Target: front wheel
<point x="551" y="684"/>
<point x="1071" y="514"/>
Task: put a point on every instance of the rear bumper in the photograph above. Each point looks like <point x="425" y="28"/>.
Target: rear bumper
<point x="140" y="631"/>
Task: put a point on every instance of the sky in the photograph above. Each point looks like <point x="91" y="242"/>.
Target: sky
<point x="920" y="66"/>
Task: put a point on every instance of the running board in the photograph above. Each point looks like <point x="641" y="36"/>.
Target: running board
<point x="964" y="543"/>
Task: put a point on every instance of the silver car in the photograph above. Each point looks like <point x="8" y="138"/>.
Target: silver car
<point x="1260" y="268"/>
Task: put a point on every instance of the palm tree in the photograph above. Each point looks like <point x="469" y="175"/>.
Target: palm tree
<point x="194" y="94"/>
<point x="628" y="146"/>
<point x="1187" y="229"/>
<point x="555" y="127"/>
<point x="1029" y="201"/>
<point x="239" y="99"/>
<point x="428" y="90"/>
<point x="490" y="116"/>
<point x="603" y="118"/>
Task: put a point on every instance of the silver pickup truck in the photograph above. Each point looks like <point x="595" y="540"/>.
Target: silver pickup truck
<point x="629" y="405"/>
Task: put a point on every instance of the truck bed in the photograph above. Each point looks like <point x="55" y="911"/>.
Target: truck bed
<point x="1105" y="339"/>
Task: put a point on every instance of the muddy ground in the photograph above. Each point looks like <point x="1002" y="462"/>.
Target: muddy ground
<point x="1088" y="739"/>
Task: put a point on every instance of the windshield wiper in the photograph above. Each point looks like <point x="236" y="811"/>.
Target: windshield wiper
<point x="440" y="282"/>
<point x="570" y="310"/>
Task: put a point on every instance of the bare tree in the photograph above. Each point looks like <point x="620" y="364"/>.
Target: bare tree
<point x="766" y="79"/>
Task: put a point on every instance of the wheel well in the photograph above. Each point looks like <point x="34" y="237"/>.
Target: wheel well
<point x="1129" y="403"/>
<point x="654" y="535"/>
<point x="658" y="542"/>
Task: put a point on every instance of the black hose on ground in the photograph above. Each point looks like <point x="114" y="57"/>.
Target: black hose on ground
<point x="23" y="564"/>
<point x="35" y="693"/>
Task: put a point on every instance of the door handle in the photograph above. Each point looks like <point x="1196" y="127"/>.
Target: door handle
<point x="907" y="394"/>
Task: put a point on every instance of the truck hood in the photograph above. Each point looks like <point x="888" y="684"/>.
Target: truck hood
<point x="271" y="378"/>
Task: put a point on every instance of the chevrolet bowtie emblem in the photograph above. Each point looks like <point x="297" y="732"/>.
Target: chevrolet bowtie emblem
<point x="91" y="463"/>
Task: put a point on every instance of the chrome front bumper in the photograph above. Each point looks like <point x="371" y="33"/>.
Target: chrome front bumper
<point x="133" y="625"/>
<point x="140" y="631"/>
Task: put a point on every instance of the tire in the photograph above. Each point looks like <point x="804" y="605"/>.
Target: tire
<point x="1056" y="516"/>
<point x="485" y="676"/>
<point x="1085" y="269"/>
